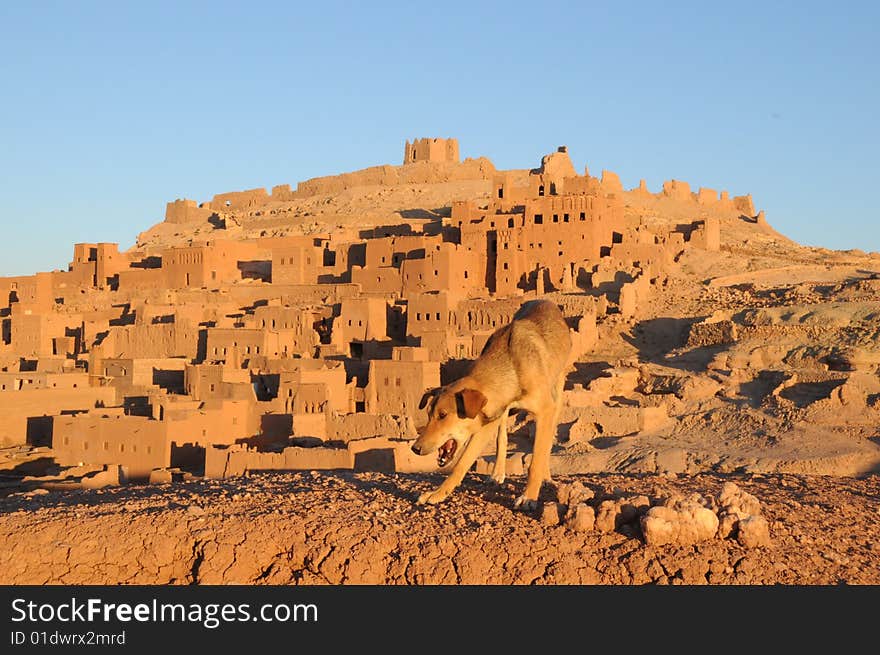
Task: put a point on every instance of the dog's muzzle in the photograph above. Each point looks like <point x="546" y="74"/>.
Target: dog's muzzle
<point x="416" y="449"/>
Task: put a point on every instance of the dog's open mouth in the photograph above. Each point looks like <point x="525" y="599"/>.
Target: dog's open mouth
<point x="446" y="452"/>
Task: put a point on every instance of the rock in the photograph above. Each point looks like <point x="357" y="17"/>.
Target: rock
<point x="160" y="476"/>
<point x="612" y="514"/>
<point x="736" y="501"/>
<point x="679" y="521"/>
<point x="106" y="478"/>
<point x="580" y="517"/>
<point x="753" y="531"/>
<point x="736" y="507"/>
<point x="573" y="493"/>
<point x="659" y="526"/>
<point x="563" y="491"/>
<point x="606" y="516"/>
<point x="551" y="514"/>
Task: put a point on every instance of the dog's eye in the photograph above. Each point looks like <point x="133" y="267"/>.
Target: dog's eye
<point x="441" y="414"/>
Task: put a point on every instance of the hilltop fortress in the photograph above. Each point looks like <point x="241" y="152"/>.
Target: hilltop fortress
<point x="299" y="328"/>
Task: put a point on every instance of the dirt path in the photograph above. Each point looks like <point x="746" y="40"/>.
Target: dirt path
<point x="314" y="528"/>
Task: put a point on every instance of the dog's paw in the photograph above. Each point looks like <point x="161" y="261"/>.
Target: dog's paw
<point x="432" y="497"/>
<point x="526" y="504"/>
<point x="496" y="478"/>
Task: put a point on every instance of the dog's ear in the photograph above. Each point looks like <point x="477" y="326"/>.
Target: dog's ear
<point x="429" y="394"/>
<point x="473" y="402"/>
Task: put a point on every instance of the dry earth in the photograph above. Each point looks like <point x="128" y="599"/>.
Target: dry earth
<point x="356" y="528"/>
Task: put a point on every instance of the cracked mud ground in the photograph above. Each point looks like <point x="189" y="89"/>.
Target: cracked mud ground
<point x="350" y="528"/>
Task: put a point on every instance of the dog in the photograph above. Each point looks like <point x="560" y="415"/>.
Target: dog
<point x="522" y="367"/>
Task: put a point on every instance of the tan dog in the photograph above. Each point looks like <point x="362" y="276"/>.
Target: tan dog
<point x="522" y="366"/>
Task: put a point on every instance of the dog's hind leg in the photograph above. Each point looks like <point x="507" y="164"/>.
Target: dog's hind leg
<point x="471" y="451"/>
<point x="500" y="469"/>
<point x="557" y="410"/>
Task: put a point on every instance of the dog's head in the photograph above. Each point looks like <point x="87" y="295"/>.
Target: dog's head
<point x="455" y="413"/>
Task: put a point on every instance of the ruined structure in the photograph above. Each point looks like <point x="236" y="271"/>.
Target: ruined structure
<point x="434" y="150"/>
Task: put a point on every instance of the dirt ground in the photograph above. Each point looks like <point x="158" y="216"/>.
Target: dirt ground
<point x="364" y="528"/>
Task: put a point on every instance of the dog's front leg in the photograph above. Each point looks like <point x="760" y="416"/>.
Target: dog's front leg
<point x="471" y="451"/>
<point x="500" y="469"/>
<point x="539" y="469"/>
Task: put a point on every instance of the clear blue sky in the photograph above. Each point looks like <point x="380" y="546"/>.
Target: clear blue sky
<point x="109" y="110"/>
